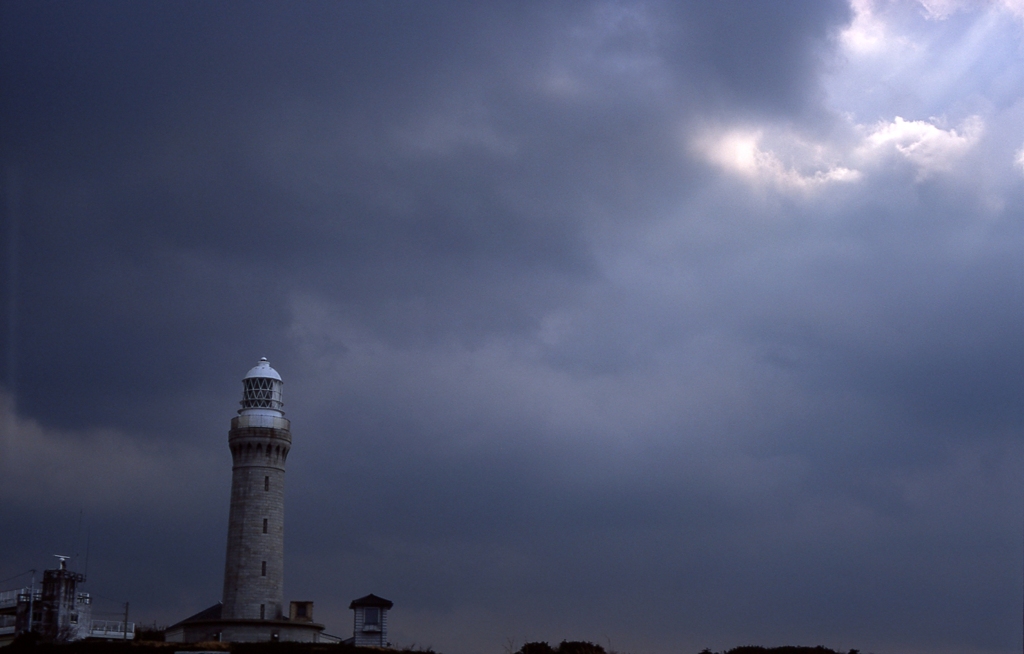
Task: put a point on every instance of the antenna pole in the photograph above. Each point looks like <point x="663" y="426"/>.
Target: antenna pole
<point x="78" y="533"/>
<point x="88" y="534"/>
<point x="31" y="598"/>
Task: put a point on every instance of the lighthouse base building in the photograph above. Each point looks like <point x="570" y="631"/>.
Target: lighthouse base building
<point x="252" y="607"/>
<point x="209" y="625"/>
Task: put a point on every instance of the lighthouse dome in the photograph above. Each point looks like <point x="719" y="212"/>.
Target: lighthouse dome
<point x="263" y="369"/>
<point x="261" y="390"/>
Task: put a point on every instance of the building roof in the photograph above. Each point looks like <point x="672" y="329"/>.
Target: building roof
<point x="212" y="613"/>
<point x="371" y="600"/>
<point x="263" y="369"/>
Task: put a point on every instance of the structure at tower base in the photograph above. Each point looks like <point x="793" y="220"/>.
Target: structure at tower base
<point x="210" y="625"/>
<point x="251" y="611"/>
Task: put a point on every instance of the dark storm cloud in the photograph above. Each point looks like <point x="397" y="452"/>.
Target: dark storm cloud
<point x="552" y="373"/>
<point x="167" y="147"/>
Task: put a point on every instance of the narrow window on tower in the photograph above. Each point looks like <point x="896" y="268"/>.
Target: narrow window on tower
<point x="263" y="611"/>
<point x="264" y="525"/>
<point x="264" y="572"/>
<point x="266" y="483"/>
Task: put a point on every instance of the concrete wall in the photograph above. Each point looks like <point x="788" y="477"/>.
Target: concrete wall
<point x="243" y="632"/>
<point x="261" y="633"/>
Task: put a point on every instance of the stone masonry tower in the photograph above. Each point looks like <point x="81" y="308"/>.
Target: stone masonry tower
<point x="259" y="439"/>
<point x="252" y="609"/>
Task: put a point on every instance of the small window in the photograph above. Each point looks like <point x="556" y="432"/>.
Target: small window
<point x="300" y="611"/>
<point x="264" y="525"/>
<point x="266" y="483"/>
<point x="264" y="572"/>
<point x="371" y="616"/>
<point x="263" y="609"/>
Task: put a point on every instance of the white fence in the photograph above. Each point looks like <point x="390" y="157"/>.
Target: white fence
<point x="110" y="629"/>
<point x="327" y="638"/>
<point x="9" y="598"/>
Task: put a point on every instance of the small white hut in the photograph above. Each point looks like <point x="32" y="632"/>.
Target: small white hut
<point x="371" y="621"/>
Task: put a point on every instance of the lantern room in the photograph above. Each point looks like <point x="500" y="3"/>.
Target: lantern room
<point x="261" y="389"/>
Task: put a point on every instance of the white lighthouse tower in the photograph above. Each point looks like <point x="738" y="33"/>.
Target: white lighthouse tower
<point x="260" y="439"/>
<point x="253" y="606"/>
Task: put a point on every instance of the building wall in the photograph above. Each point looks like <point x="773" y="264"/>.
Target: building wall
<point x="257" y="494"/>
<point x="260" y="634"/>
<point x="240" y="632"/>
<point x="61" y="613"/>
<point x="363" y="638"/>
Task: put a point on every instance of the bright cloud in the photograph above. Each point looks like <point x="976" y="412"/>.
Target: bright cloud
<point x="1015" y="7"/>
<point x="795" y="164"/>
<point x="866" y="33"/>
<point x="943" y="9"/>
<point x="740" y="152"/>
<point x="922" y="143"/>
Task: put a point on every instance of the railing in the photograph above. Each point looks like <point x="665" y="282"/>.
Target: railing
<point x="110" y="629"/>
<point x="259" y="420"/>
<point x="327" y="638"/>
<point x="9" y="598"/>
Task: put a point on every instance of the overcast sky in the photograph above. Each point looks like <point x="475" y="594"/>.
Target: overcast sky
<point x="660" y="325"/>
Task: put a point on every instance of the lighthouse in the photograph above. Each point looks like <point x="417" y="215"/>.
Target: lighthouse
<point x="259" y="439"/>
<point x="252" y="608"/>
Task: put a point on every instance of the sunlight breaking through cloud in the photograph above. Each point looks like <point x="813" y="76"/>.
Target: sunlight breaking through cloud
<point x="740" y="153"/>
<point x="800" y="165"/>
<point x="928" y="147"/>
<point x="715" y="304"/>
<point x="866" y="34"/>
